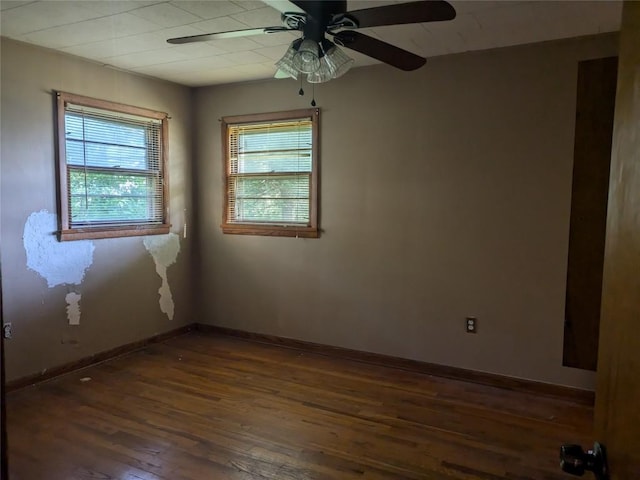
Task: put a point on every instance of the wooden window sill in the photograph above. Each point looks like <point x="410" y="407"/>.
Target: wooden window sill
<point x="91" y="233"/>
<point x="271" y="230"/>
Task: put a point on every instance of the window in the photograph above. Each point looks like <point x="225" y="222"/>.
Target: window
<point x="112" y="169"/>
<point x="271" y="174"/>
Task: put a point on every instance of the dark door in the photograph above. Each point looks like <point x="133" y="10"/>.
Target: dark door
<point x="617" y="413"/>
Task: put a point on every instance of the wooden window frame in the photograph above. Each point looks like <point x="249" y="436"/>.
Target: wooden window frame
<point x="311" y="230"/>
<point x="66" y="231"/>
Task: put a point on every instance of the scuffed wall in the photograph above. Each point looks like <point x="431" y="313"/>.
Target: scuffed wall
<point x="74" y="299"/>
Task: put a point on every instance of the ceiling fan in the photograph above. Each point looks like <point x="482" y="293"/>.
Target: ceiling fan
<point x="319" y="58"/>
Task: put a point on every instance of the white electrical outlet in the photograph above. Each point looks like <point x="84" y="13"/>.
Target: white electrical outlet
<point x="6" y="330"/>
<point x="471" y="324"/>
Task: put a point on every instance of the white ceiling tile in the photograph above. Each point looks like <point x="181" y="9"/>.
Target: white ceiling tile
<point x="482" y="39"/>
<point x="198" y="49"/>
<point x="434" y="45"/>
<point x="249" y="4"/>
<point x="461" y="22"/>
<point x="513" y="14"/>
<point x="166" y="15"/>
<point x="209" y="63"/>
<point x="231" y="45"/>
<point x="274" y="53"/>
<point x="162" y="56"/>
<point x="112" y="7"/>
<point x="105" y="28"/>
<point x="117" y="46"/>
<point x="445" y="36"/>
<point x="215" y="77"/>
<point x="176" y="77"/>
<point x="132" y="33"/>
<point x="194" y="66"/>
<point x="126" y="24"/>
<point x="262" y="17"/>
<point x="412" y="37"/>
<point x="7" y="4"/>
<point x="283" y="5"/>
<point x="253" y="74"/>
<point x="268" y="69"/>
<point x="141" y="59"/>
<point x="208" y="9"/>
<point x="36" y="16"/>
<point x="222" y="24"/>
<point x="245" y="58"/>
<point x="175" y="32"/>
<point x="256" y="71"/>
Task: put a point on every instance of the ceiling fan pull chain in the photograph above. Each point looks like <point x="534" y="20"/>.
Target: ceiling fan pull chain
<point x="313" y="94"/>
<point x="301" y="91"/>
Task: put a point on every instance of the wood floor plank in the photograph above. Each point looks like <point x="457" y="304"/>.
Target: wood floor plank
<point x="213" y="407"/>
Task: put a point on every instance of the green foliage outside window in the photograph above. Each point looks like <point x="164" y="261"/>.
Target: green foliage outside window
<point x="103" y="197"/>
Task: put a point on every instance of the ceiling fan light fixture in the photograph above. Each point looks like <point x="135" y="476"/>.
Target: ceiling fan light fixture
<point x="307" y="58"/>
<point x="338" y="61"/>
<point x="333" y="63"/>
<point x="286" y="67"/>
<point x="323" y="74"/>
<point x="282" y="74"/>
<point x="321" y="60"/>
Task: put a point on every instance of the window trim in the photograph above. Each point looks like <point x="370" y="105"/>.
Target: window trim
<point x="65" y="232"/>
<point x="310" y="231"/>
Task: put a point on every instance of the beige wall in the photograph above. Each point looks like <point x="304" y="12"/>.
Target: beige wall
<point x="444" y="193"/>
<point x="120" y="302"/>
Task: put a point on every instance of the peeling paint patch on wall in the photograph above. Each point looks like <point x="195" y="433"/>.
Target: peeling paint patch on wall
<point x="164" y="249"/>
<point x="57" y="262"/>
<point x="73" y="307"/>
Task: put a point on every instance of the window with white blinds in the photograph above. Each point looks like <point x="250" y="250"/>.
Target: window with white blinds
<point x="113" y="179"/>
<point x="271" y="173"/>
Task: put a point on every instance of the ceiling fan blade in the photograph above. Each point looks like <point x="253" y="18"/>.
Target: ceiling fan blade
<point x="401" y="13"/>
<point x="205" y="37"/>
<point x="383" y="51"/>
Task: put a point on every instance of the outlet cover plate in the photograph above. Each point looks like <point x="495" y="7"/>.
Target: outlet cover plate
<point x="471" y="325"/>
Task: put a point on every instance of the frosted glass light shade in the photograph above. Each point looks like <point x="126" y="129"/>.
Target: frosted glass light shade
<point x="333" y="64"/>
<point x="340" y="62"/>
<point x="307" y="58"/>
<point x="321" y="62"/>
<point x="286" y="67"/>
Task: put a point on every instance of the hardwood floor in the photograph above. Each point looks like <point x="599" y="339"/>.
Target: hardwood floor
<point x="203" y="407"/>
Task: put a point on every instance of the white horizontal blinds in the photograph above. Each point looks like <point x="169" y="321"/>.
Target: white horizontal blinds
<point x="270" y="168"/>
<point x="114" y="168"/>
